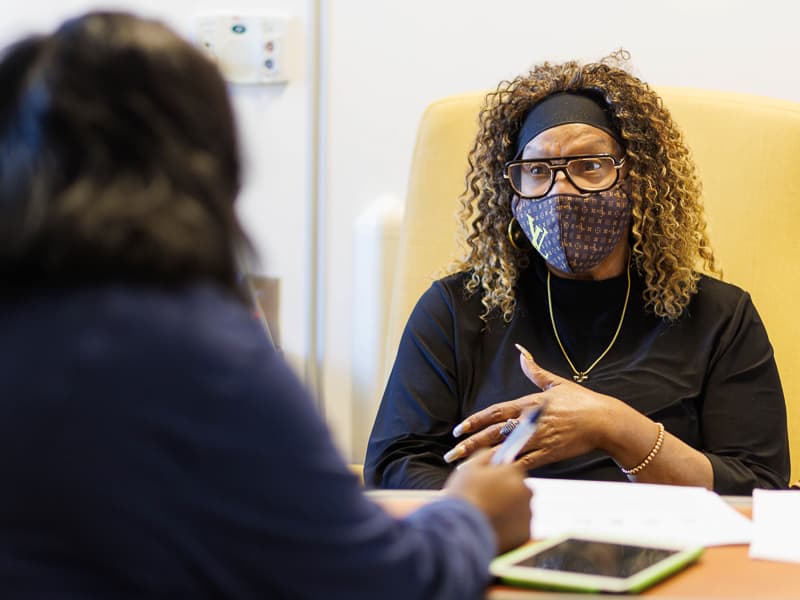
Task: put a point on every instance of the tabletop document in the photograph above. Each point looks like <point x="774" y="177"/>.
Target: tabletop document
<point x="776" y="525"/>
<point x="673" y="514"/>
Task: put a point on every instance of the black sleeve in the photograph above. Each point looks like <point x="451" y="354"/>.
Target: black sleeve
<point x="413" y="427"/>
<point x="744" y="413"/>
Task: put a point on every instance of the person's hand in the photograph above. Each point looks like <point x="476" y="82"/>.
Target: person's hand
<point x="499" y="491"/>
<point x="576" y="420"/>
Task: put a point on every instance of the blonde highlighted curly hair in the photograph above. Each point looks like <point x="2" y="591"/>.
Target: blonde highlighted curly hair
<point x="668" y="233"/>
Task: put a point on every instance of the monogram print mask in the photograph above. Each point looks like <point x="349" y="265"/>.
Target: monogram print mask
<point x="574" y="233"/>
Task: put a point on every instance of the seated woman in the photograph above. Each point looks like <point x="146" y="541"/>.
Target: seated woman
<point x="152" y="442"/>
<point x="585" y="237"/>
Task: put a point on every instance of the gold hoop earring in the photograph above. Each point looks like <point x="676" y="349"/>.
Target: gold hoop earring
<point x="513" y="234"/>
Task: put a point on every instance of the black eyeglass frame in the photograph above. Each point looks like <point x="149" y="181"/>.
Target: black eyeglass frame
<point x="618" y="164"/>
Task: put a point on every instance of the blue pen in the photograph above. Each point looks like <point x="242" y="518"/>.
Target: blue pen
<point x="509" y="449"/>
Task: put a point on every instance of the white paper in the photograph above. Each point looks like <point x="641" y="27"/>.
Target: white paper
<point x="677" y="515"/>
<point x="776" y="525"/>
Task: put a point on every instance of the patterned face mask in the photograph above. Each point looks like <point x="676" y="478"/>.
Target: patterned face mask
<point x="574" y="233"/>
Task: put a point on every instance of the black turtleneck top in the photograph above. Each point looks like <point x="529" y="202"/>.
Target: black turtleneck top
<point x="709" y="377"/>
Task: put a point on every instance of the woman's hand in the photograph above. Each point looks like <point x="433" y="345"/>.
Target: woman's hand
<point x="576" y="420"/>
<point x="499" y="491"/>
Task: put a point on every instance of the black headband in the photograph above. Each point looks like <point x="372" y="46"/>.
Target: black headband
<point x="562" y="108"/>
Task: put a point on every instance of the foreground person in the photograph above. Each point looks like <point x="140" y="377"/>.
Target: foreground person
<point x="153" y="443"/>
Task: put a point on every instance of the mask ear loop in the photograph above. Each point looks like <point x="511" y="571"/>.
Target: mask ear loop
<point x="515" y="233"/>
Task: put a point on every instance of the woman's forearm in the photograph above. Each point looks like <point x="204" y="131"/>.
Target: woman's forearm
<point x="631" y="438"/>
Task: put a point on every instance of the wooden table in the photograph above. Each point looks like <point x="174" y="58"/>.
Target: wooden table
<point x="721" y="572"/>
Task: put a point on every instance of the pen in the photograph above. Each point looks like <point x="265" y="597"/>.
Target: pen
<point x="509" y="449"/>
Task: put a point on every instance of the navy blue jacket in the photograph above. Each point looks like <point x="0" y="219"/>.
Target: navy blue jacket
<point x="152" y="444"/>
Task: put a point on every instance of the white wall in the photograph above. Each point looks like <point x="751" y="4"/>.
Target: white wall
<point x="275" y="124"/>
<point x="387" y="60"/>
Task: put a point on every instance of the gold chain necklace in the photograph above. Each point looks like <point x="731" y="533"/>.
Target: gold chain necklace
<point x="580" y="376"/>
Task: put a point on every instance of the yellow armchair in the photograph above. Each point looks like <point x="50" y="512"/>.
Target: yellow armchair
<point x="747" y="151"/>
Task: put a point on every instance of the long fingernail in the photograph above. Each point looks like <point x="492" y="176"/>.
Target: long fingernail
<point x="454" y="454"/>
<point x="461" y="428"/>
<point x="524" y="352"/>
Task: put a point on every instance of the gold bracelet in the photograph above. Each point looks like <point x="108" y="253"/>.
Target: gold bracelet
<point x="649" y="458"/>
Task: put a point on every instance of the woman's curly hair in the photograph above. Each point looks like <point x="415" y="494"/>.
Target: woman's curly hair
<point x="668" y="234"/>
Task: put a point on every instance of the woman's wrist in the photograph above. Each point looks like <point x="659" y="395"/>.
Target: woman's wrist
<point x="605" y="431"/>
<point x="636" y="469"/>
<point x="621" y="430"/>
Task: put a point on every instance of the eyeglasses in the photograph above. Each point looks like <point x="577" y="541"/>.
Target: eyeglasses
<point x="533" y="178"/>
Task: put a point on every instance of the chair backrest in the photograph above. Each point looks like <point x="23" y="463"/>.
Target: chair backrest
<point x="747" y="151"/>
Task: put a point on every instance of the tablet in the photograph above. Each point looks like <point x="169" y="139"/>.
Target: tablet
<point x="592" y="564"/>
